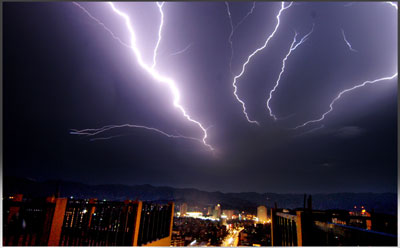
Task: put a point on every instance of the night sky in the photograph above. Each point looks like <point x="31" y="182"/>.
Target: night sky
<point x="63" y="71"/>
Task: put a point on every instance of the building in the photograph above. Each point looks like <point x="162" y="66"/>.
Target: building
<point x="183" y="209"/>
<point x="262" y="214"/>
<point x="177" y="242"/>
<point x="209" y="211"/>
<point x="217" y="211"/>
<point x="177" y="239"/>
<point x="255" y="234"/>
<point x="307" y="227"/>
<point x="70" y="222"/>
<point x="35" y="222"/>
<point x="198" y="232"/>
<point x="228" y="213"/>
<point x="286" y="229"/>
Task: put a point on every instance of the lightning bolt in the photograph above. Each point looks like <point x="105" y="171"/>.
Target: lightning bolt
<point x="230" y="35"/>
<point x="233" y="28"/>
<point x="283" y="7"/>
<point x="164" y="80"/>
<point x="293" y="47"/>
<point x="181" y="51"/>
<point x="310" y="131"/>
<point x="155" y="74"/>
<point x="109" y="137"/>
<point x="343" y="92"/>
<point x="101" y="24"/>
<point x="160" y="5"/>
<point x="96" y="131"/>
<point x="347" y="42"/>
<point x="392" y="4"/>
<point x="247" y="15"/>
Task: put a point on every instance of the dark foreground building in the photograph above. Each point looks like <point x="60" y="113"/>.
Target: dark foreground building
<point x="69" y="222"/>
<point x="307" y="227"/>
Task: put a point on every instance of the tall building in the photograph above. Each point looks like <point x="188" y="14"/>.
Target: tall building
<point x="306" y="227"/>
<point x="62" y="222"/>
<point x="32" y="223"/>
<point x="183" y="209"/>
<point x="228" y="213"/>
<point x="217" y="211"/>
<point x="209" y="211"/>
<point x="262" y="214"/>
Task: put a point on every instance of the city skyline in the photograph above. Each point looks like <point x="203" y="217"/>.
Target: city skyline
<point x="224" y="96"/>
<point x="56" y="221"/>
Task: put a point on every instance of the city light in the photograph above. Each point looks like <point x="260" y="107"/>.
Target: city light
<point x="194" y="214"/>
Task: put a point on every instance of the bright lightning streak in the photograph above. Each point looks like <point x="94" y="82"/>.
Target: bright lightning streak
<point x="233" y="28"/>
<point x="249" y="58"/>
<point x="293" y="47"/>
<point x="348" y="43"/>
<point x="181" y="51"/>
<point x="160" y="5"/>
<point x="390" y="3"/>
<point x="393" y="4"/>
<point x="101" y="24"/>
<point x="310" y="131"/>
<point x="97" y="131"/>
<point x="247" y="15"/>
<point x="230" y="35"/>
<point x="155" y="75"/>
<point x="340" y="95"/>
<point x="164" y="80"/>
<point x="109" y="137"/>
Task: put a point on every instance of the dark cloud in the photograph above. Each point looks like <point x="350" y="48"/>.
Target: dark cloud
<point x="63" y="71"/>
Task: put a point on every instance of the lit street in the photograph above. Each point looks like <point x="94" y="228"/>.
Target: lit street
<point x="232" y="239"/>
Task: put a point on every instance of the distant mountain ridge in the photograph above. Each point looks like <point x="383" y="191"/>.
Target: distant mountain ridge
<point x="380" y="202"/>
